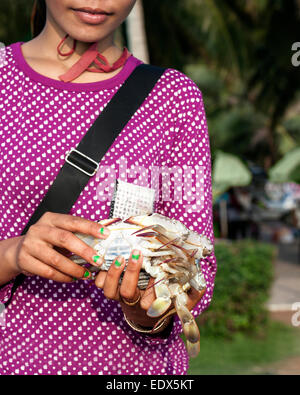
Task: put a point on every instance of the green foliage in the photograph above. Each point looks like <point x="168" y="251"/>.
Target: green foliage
<point x="244" y="354"/>
<point x="15" y="20"/>
<point x="243" y="52"/>
<point x="172" y="33"/>
<point x="233" y="131"/>
<point x="243" y="281"/>
<point x="292" y="126"/>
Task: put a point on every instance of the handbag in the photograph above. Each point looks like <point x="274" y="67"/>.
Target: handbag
<point x="82" y="162"/>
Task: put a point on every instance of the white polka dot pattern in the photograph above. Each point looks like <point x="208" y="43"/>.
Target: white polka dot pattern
<point x="54" y="328"/>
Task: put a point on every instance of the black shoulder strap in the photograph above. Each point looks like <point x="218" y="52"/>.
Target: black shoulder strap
<point x="82" y="162"/>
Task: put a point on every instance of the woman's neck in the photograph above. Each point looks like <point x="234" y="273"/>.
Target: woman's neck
<point x="41" y="54"/>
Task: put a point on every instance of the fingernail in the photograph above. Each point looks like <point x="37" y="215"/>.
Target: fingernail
<point x="104" y="231"/>
<point x="86" y="274"/>
<point x="135" y="255"/>
<point x="119" y="261"/>
<point x="75" y="279"/>
<point x="97" y="260"/>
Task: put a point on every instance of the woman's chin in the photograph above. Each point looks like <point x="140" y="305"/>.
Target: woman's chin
<point x="85" y="35"/>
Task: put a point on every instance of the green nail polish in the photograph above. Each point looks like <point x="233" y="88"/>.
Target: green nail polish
<point x="117" y="263"/>
<point x="86" y="274"/>
<point x="102" y="230"/>
<point x="75" y="279"/>
<point x="135" y="257"/>
<point x="96" y="258"/>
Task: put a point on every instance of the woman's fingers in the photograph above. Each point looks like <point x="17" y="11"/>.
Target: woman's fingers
<point x="109" y="281"/>
<point x="100" y="279"/>
<point x="31" y="265"/>
<point x="111" y="284"/>
<point x="149" y="295"/>
<point x="128" y="289"/>
<point x="75" y="224"/>
<point x="60" y="238"/>
<point x="51" y="240"/>
<point x="59" y="262"/>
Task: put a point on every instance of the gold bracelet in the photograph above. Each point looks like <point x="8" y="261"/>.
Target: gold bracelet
<point x="151" y="331"/>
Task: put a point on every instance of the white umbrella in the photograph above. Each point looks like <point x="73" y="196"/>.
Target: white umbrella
<point x="229" y="171"/>
<point x="285" y="169"/>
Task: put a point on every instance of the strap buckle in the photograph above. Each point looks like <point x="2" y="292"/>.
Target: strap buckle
<point x="78" y="160"/>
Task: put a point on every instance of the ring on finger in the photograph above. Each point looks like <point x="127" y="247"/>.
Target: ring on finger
<point x="131" y="303"/>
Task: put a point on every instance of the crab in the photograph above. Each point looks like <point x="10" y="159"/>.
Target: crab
<point x="171" y="255"/>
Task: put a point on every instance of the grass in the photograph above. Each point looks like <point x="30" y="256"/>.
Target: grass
<point x="244" y="354"/>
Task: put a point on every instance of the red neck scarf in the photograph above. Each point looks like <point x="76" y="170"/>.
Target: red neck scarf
<point x="87" y="59"/>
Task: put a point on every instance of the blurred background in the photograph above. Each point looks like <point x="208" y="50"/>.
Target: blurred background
<point x="243" y="56"/>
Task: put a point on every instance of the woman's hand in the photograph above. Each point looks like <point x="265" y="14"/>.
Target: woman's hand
<point x="129" y="292"/>
<point x="42" y="250"/>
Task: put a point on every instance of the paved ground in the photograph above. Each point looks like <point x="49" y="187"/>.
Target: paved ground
<point x="286" y="287"/>
<point x="290" y="366"/>
<point x="285" y="294"/>
<point x="286" y="317"/>
<point x="285" y="291"/>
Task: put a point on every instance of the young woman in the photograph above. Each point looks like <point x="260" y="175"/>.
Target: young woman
<point x="54" y="324"/>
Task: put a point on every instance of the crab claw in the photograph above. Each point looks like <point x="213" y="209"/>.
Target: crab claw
<point x="159" y="307"/>
<point x="141" y="232"/>
<point x="190" y="328"/>
<point x="193" y="349"/>
<point x="169" y="242"/>
<point x="156" y="229"/>
<point x="191" y="331"/>
<point x="146" y="234"/>
<point x="109" y="221"/>
<point x="198" y="282"/>
<point x="193" y="252"/>
<point x="162" y="303"/>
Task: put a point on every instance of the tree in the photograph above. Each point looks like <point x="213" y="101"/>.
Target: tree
<point x="15" y="20"/>
<point x="241" y="48"/>
<point x="136" y="34"/>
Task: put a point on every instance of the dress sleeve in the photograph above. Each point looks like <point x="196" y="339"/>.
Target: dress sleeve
<point x="187" y="179"/>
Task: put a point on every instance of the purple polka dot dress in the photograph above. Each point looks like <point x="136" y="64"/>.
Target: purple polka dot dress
<point x="71" y="328"/>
